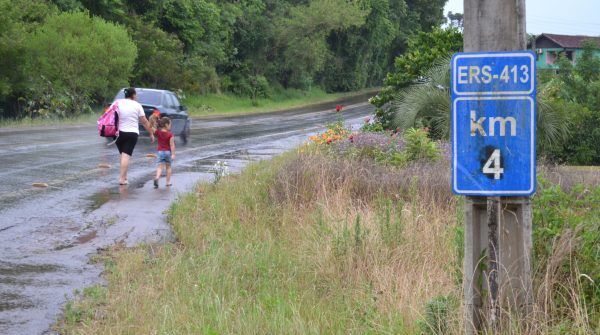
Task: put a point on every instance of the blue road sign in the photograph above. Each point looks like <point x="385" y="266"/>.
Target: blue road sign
<point x="493" y="123"/>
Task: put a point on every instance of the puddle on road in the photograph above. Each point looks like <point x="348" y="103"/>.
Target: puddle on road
<point x="100" y="198"/>
<point x="86" y="237"/>
<point x="16" y="269"/>
<point x="11" y="301"/>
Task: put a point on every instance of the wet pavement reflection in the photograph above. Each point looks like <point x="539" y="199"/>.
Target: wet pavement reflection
<point x="47" y="235"/>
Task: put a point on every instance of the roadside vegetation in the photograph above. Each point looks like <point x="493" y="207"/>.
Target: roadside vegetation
<point x="59" y="57"/>
<point x="416" y="94"/>
<point x="354" y="233"/>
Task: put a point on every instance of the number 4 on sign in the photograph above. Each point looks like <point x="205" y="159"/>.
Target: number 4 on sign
<point x="492" y="166"/>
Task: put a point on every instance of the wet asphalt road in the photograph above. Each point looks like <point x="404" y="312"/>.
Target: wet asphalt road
<point x="47" y="235"/>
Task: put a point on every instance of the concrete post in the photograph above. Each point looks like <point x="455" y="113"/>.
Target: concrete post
<point x="496" y="26"/>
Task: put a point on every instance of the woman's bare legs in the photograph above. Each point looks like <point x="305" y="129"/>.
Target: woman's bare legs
<point x="124" y="167"/>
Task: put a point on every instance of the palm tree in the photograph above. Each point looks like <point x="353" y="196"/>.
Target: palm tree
<point x="428" y="104"/>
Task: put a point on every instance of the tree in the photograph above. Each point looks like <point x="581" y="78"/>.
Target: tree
<point x="160" y="57"/>
<point x="455" y="19"/>
<point x="303" y="36"/>
<point x="576" y="92"/>
<point x="425" y="49"/>
<point x="360" y="55"/>
<point x="17" y="19"/>
<point x="80" y="54"/>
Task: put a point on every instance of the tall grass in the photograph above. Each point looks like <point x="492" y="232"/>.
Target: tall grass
<point x="314" y="244"/>
<point x="300" y="245"/>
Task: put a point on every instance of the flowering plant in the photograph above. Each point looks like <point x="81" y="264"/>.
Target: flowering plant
<point x="335" y="132"/>
<point x="220" y="170"/>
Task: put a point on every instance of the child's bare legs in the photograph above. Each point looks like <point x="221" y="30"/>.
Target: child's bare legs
<point x="159" y="169"/>
<point x="169" y="171"/>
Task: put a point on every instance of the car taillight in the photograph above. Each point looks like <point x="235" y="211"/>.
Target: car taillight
<point x="156" y="112"/>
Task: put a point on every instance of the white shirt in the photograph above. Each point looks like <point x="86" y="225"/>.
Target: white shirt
<point x="130" y="112"/>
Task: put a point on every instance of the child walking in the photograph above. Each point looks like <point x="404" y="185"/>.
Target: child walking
<point x="165" y="149"/>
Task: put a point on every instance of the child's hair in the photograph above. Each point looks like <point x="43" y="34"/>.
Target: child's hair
<point x="154" y="121"/>
<point x="163" y="122"/>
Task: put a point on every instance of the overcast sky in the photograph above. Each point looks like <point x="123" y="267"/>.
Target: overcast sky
<point x="568" y="17"/>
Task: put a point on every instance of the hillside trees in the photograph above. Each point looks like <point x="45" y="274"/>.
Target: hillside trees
<point x="247" y="47"/>
<point x="17" y="20"/>
<point x="303" y="37"/>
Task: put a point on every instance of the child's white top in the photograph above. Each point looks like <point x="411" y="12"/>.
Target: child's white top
<point x="130" y="112"/>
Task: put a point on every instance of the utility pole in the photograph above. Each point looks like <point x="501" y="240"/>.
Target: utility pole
<point x="498" y="232"/>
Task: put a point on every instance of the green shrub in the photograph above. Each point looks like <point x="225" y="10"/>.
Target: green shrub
<point x="372" y="126"/>
<point x="80" y="54"/>
<point x="47" y="102"/>
<point x="580" y="145"/>
<point x="437" y="315"/>
<point x="418" y="146"/>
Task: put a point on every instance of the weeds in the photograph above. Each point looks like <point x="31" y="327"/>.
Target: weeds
<point x="318" y="244"/>
<point x="220" y="170"/>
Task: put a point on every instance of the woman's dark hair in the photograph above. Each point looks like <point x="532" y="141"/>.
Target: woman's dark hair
<point x="163" y="122"/>
<point x="129" y="92"/>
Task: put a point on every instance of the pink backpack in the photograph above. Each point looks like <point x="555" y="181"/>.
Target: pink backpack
<point x="108" y="123"/>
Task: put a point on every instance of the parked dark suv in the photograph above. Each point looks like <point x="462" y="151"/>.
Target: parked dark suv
<point x="167" y="104"/>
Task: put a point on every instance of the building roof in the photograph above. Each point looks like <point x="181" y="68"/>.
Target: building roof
<point x="569" y="41"/>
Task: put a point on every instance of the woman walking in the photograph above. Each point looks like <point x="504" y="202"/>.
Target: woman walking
<point x="131" y="113"/>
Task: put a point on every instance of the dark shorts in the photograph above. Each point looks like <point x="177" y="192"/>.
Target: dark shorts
<point x="126" y="142"/>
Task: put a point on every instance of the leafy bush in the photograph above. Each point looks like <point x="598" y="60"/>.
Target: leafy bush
<point x="80" y="54"/>
<point x="425" y="49"/>
<point x="437" y="315"/>
<point x="419" y="146"/>
<point x="244" y="84"/>
<point x="372" y="125"/>
<point x="47" y="102"/>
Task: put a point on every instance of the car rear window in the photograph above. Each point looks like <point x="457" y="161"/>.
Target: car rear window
<point x="144" y="97"/>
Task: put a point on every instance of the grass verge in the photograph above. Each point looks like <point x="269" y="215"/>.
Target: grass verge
<point x="313" y="243"/>
<point x="41" y="122"/>
<point x="298" y="245"/>
<point x="229" y="104"/>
